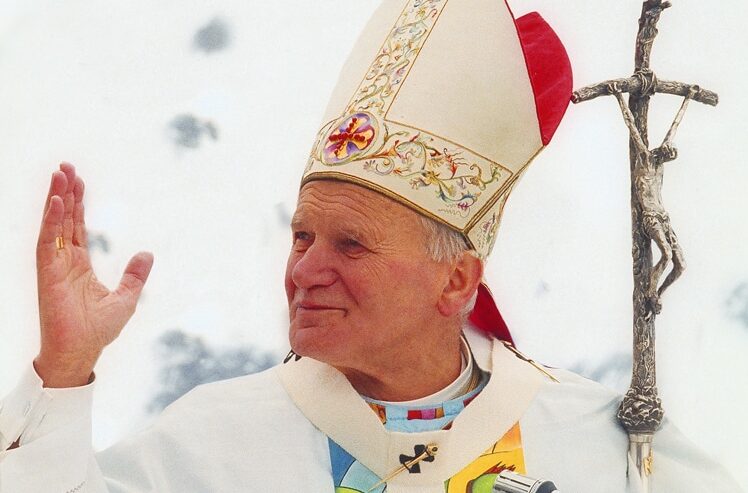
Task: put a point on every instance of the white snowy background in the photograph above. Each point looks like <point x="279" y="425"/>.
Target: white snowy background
<point x="190" y="122"/>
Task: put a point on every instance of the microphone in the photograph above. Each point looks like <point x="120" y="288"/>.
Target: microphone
<point x="511" y="482"/>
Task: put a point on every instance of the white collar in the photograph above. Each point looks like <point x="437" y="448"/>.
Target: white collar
<point x="327" y="399"/>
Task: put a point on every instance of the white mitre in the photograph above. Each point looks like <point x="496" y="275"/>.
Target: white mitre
<point x="441" y="106"/>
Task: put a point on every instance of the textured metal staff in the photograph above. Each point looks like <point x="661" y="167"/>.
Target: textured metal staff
<point x="641" y="411"/>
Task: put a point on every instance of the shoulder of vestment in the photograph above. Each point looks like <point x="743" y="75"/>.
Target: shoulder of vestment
<point x="257" y="396"/>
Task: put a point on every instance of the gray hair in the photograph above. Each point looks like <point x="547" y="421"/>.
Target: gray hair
<point x="445" y="244"/>
<point x="442" y="242"/>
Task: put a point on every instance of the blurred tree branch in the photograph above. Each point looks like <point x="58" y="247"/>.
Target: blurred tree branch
<point x="189" y="362"/>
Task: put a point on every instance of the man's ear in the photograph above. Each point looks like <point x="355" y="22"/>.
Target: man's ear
<point x="461" y="285"/>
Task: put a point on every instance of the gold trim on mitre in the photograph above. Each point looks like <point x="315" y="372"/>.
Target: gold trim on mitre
<point x="443" y="119"/>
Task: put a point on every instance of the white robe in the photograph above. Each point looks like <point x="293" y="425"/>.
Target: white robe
<point x="268" y="432"/>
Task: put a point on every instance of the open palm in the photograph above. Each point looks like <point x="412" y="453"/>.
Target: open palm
<point x="79" y="316"/>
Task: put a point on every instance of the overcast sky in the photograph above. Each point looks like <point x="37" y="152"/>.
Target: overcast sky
<point x="103" y="85"/>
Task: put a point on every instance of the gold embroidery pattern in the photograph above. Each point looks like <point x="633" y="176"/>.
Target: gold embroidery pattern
<point x="488" y="231"/>
<point x="457" y="180"/>
<point x="390" y="68"/>
<point x="455" y="176"/>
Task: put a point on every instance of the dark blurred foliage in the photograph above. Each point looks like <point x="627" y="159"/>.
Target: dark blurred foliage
<point x="97" y="241"/>
<point x="188" y="131"/>
<point x="737" y="304"/>
<point x="188" y="362"/>
<point x="214" y="36"/>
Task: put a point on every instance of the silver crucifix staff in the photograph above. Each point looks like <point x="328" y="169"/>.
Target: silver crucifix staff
<point x="641" y="410"/>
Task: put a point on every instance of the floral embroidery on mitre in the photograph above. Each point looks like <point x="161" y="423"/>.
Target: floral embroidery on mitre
<point x="490" y="227"/>
<point x="349" y="139"/>
<point x="425" y="162"/>
<point x="397" y="55"/>
<point x="456" y="181"/>
<point x="483" y="234"/>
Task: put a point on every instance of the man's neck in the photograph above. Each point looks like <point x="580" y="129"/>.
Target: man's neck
<point x="412" y="374"/>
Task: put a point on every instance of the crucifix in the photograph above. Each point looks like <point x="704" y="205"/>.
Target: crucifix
<point x="641" y="410"/>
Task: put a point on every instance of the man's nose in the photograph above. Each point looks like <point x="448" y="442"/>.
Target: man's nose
<point x="316" y="267"/>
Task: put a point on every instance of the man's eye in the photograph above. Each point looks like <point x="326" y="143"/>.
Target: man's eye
<point x="352" y="245"/>
<point x="301" y="236"/>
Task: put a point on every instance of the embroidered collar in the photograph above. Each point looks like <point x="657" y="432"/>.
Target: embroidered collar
<point x="424" y="418"/>
<point x="327" y="399"/>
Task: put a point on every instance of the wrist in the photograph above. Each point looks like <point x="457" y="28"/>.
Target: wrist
<point x="61" y="374"/>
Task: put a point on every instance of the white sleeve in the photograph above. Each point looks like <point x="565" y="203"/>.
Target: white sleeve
<point x="54" y="427"/>
<point x="681" y="466"/>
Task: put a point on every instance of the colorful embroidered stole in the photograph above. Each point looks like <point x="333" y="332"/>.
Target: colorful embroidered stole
<point x="350" y="476"/>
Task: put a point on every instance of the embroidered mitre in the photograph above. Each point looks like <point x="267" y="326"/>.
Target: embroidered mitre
<point x="441" y="106"/>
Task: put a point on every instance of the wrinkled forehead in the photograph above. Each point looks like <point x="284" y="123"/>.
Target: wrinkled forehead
<point x="350" y="207"/>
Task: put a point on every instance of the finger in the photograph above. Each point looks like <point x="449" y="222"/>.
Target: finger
<point x="57" y="186"/>
<point x="51" y="226"/>
<point x="69" y="201"/>
<point x="80" y="237"/>
<point x="135" y="276"/>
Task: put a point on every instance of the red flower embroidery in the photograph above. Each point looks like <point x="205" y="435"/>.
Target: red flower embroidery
<point x="350" y="139"/>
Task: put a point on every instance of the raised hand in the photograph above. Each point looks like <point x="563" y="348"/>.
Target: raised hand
<point x="79" y="316"/>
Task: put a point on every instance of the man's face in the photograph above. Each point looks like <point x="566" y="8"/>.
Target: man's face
<point x="360" y="287"/>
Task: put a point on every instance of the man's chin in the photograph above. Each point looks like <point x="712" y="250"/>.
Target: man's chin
<point x="313" y="341"/>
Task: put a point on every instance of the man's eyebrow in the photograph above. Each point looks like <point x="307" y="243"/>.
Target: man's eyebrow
<point x="358" y="234"/>
<point x="362" y="234"/>
<point x="355" y="234"/>
<point x="297" y="220"/>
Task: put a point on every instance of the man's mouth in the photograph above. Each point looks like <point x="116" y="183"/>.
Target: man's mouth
<point x="309" y="307"/>
<point x="313" y="306"/>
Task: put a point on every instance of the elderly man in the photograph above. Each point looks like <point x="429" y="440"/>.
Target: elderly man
<point x="401" y="377"/>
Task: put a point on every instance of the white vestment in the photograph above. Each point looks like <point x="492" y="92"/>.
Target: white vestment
<point x="268" y="432"/>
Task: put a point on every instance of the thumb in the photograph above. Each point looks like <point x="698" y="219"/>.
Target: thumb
<point x="136" y="273"/>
